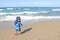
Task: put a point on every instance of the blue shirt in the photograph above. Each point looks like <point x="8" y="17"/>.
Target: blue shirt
<point x="18" y="25"/>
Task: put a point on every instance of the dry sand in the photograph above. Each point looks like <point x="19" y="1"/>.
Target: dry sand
<point x="47" y="30"/>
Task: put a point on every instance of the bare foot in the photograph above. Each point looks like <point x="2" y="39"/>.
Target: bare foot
<point x="16" y="34"/>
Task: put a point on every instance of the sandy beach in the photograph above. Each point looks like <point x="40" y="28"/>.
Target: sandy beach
<point x="45" y="30"/>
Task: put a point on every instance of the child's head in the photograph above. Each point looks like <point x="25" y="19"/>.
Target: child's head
<point x="18" y="19"/>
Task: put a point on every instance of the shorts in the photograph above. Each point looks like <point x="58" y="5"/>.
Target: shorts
<point x="18" y="29"/>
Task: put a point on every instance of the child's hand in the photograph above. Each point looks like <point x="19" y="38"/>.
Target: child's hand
<point x="21" y="24"/>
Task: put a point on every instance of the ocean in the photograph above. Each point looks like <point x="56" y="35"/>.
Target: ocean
<point x="29" y="13"/>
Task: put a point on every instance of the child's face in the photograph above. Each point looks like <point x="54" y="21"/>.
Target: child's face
<point x="18" y="20"/>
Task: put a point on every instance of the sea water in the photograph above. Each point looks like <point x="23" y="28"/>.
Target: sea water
<point x="29" y="13"/>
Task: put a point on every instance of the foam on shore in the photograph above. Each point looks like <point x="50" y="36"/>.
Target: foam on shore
<point x="12" y="18"/>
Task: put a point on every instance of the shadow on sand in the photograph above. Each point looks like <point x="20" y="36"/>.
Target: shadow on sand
<point x="26" y="30"/>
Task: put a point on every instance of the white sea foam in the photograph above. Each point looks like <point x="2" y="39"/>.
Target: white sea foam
<point x="1" y="9"/>
<point x="19" y="8"/>
<point x="19" y="13"/>
<point x="43" y="12"/>
<point x="56" y="9"/>
<point x="26" y="12"/>
<point x="26" y="9"/>
<point x="9" y="8"/>
<point x="12" y="18"/>
<point x="3" y="13"/>
<point x="30" y="12"/>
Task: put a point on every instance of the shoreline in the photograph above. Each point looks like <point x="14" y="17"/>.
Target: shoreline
<point x="26" y="18"/>
<point x="45" y="30"/>
<point x="24" y="22"/>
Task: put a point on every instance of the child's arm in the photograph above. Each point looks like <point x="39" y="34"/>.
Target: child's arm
<point x="15" y="22"/>
<point x="21" y="24"/>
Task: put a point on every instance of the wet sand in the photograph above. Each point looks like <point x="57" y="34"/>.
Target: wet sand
<point x="46" y="30"/>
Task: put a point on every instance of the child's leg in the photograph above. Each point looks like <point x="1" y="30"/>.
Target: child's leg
<point x="20" y="30"/>
<point x="16" y="32"/>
